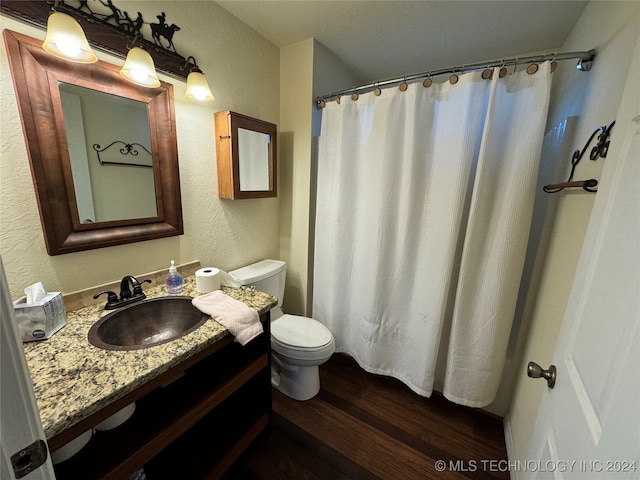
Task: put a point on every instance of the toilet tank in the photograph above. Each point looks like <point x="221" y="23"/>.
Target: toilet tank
<point x="267" y="276"/>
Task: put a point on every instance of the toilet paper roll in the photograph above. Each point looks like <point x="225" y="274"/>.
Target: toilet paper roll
<point x="207" y="280"/>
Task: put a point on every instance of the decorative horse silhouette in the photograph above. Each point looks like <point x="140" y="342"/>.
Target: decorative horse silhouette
<point x="83" y="4"/>
<point x="163" y="30"/>
<point x="130" y="25"/>
<point x="115" y="12"/>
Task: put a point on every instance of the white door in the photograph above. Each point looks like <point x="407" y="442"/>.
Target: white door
<point x="22" y="446"/>
<point x="588" y="425"/>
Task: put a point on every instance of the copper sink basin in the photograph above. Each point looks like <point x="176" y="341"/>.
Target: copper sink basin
<point x="146" y="324"/>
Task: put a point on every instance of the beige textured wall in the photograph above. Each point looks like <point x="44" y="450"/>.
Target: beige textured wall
<point x="243" y="72"/>
<point x="296" y="77"/>
<point x="307" y="69"/>
<point x="594" y="97"/>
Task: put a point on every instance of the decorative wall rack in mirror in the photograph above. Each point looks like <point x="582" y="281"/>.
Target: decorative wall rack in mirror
<point x="246" y="150"/>
<point x="53" y="97"/>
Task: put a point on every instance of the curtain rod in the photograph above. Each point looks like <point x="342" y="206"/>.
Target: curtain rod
<point x="585" y="60"/>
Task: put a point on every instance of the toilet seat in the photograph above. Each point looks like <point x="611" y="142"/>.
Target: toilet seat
<point x="300" y="332"/>
<point x="301" y="337"/>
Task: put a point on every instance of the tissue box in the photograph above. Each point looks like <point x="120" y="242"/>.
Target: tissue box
<point x="41" y="319"/>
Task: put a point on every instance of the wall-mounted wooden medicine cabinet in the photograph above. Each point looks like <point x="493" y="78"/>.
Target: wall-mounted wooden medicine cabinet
<point x="246" y="156"/>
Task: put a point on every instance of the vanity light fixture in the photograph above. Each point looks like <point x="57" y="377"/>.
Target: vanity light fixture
<point x="66" y="39"/>
<point x="110" y="28"/>
<point x="197" y="86"/>
<point x="138" y="68"/>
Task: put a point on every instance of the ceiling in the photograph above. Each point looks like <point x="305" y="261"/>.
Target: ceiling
<point x="377" y="40"/>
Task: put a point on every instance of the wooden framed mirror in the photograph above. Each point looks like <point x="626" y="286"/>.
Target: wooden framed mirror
<point x="133" y="200"/>
<point x="246" y="150"/>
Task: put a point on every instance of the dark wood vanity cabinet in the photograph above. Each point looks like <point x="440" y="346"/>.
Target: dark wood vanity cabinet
<point x="191" y="422"/>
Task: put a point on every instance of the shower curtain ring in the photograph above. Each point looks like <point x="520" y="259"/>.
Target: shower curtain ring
<point x="427" y="82"/>
<point x="453" y="79"/>
<point x="377" y="91"/>
<point x="554" y="64"/>
<point x="403" y="85"/>
<point x="503" y="70"/>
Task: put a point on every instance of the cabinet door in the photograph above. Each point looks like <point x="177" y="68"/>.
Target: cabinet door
<point x="246" y="151"/>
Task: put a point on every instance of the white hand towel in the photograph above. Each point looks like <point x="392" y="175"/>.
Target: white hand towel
<point x="242" y="321"/>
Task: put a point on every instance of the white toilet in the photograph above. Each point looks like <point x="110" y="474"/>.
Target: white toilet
<point x="298" y="344"/>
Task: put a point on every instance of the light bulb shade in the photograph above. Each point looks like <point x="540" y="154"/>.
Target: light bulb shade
<point x="65" y="39"/>
<point x="198" y="88"/>
<point x="139" y="68"/>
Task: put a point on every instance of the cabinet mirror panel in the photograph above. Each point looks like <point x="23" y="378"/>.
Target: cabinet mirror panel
<point x="253" y="153"/>
<point x="103" y="152"/>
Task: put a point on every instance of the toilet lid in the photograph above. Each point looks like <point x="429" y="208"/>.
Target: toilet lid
<point x="300" y="332"/>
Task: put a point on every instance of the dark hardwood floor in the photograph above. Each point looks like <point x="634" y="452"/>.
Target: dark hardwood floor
<point x="364" y="426"/>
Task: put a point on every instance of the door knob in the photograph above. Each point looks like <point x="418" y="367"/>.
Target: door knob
<point x="535" y="371"/>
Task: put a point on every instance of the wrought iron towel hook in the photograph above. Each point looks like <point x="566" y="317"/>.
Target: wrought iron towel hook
<point x="600" y="150"/>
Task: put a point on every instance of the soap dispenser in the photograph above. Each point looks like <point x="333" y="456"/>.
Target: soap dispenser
<point x="173" y="281"/>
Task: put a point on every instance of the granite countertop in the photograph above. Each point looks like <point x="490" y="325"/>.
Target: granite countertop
<point x="73" y="379"/>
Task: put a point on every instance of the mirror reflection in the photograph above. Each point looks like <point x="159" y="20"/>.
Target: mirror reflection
<point x="109" y="146"/>
<point x="253" y="151"/>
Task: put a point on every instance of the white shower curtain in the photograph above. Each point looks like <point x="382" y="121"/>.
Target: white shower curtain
<point x="423" y="210"/>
